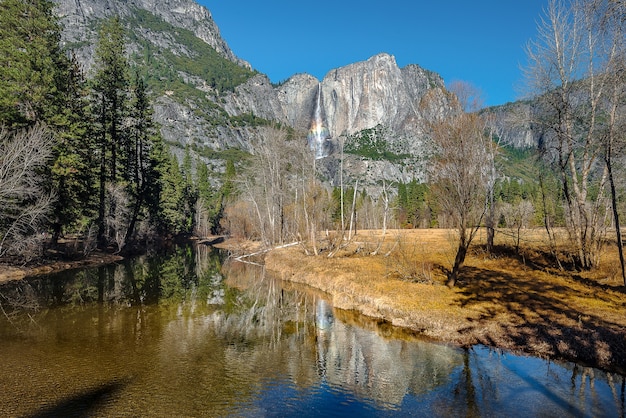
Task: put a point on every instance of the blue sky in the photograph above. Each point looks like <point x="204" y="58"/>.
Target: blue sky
<point x="481" y="42"/>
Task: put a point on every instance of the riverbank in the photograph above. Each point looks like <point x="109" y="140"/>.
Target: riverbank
<point x="511" y="300"/>
<point x="10" y="272"/>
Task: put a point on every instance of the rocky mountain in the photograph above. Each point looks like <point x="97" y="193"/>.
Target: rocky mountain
<point x="80" y="19"/>
<point x="513" y="124"/>
<point x="211" y="100"/>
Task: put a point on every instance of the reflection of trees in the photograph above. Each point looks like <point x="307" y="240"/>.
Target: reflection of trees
<point x="494" y="383"/>
<point x="170" y="278"/>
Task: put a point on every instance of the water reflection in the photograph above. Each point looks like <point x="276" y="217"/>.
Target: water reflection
<point x="186" y="333"/>
<point x="376" y="368"/>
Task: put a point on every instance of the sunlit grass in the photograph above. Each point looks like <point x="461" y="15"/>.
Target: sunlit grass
<point x="511" y="298"/>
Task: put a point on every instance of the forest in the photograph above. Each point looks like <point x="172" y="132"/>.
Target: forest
<point x="82" y="157"/>
<point x="82" y="160"/>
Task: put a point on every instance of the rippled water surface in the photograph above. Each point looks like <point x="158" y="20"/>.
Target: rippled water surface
<point x="185" y="334"/>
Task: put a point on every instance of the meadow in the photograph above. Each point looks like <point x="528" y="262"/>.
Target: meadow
<point x="515" y="297"/>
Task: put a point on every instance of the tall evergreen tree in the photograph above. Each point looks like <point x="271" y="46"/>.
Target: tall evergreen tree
<point x="72" y="173"/>
<point x="29" y="54"/>
<point x="110" y="85"/>
<point x="173" y="202"/>
<point x="157" y="186"/>
<point x="190" y="191"/>
<point x="140" y="141"/>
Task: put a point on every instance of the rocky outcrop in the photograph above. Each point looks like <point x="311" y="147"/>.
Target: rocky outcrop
<point x="376" y="92"/>
<point x="79" y="18"/>
<point x="513" y="122"/>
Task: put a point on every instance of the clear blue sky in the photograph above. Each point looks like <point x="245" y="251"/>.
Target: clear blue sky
<point x="481" y="42"/>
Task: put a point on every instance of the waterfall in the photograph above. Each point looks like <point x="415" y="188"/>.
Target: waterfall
<point x="318" y="134"/>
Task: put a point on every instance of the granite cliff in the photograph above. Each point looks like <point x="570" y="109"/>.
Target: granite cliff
<point x="374" y="102"/>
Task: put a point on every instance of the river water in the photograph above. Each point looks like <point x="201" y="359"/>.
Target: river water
<point x="186" y="333"/>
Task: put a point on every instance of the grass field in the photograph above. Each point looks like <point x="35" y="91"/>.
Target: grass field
<point x="516" y="299"/>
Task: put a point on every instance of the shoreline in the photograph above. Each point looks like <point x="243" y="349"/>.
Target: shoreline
<point x="10" y="272"/>
<point x="503" y="303"/>
<point x="534" y="317"/>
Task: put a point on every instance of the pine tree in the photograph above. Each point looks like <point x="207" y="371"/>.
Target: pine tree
<point x="157" y="186"/>
<point x="110" y="86"/>
<point x="173" y="211"/>
<point x="72" y="173"/>
<point x="143" y="134"/>
<point x="190" y="192"/>
<point x="29" y="52"/>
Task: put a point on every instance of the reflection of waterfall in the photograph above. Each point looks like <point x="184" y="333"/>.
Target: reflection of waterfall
<point x="376" y="368"/>
<point x="323" y="322"/>
<point x="323" y="314"/>
<point x="319" y="136"/>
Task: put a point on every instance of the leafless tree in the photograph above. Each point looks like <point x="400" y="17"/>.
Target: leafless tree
<point x="119" y="213"/>
<point x="23" y="202"/>
<point x="613" y="23"/>
<point x="385" y="200"/>
<point x="458" y="173"/>
<point x="517" y="216"/>
<point x="202" y="222"/>
<point x="280" y="185"/>
<point x="492" y="147"/>
<point x="568" y="74"/>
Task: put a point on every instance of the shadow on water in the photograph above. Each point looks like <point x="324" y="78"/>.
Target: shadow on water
<point x="83" y="404"/>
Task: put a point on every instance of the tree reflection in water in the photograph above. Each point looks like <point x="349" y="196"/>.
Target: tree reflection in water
<point x="190" y="334"/>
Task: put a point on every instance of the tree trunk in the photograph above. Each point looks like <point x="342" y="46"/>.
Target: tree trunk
<point x="130" y="232"/>
<point x="490" y="222"/>
<point x="491" y="232"/>
<point x="56" y="233"/>
<point x="458" y="263"/>
<point x="618" y="232"/>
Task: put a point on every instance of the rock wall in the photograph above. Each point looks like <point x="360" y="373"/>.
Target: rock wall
<point x="359" y="96"/>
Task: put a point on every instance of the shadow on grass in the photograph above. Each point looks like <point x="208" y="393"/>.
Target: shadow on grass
<point x="545" y="261"/>
<point x="82" y="404"/>
<point x="534" y="317"/>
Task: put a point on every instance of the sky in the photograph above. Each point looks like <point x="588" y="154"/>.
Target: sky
<point x="479" y="42"/>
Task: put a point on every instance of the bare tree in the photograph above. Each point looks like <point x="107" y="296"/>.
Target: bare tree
<point x="517" y="216"/>
<point x="493" y="144"/>
<point x="23" y="203"/>
<point x="385" y="200"/>
<point x="567" y="74"/>
<point x="458" y="173"/>
<point x="280" y="185"/>
<point x="614" y="26"/>
<point x="119" y="213"/>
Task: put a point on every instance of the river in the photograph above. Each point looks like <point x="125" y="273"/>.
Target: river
<point x="189" y="333"/>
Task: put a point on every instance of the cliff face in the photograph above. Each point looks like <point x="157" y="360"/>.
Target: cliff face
<point x="513" y="123"/>
<point x="80" y="17"/>
<point x="374" y="96"/>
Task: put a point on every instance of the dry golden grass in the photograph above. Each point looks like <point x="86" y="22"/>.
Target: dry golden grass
<point x="518" y="301"/>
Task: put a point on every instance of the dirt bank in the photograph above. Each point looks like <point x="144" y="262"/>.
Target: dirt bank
<point x="9" y="272"/>
<point x="508" y="300"/>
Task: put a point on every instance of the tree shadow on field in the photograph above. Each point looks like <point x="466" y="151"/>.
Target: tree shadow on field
<point x="542" y="260"/>
<point x="533" y="315"/>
